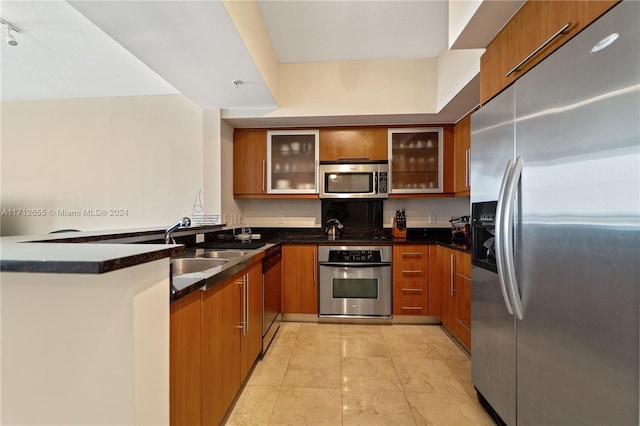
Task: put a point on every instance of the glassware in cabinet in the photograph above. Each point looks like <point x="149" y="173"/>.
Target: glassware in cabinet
<point x="292" y="158"/>
<point x="416" y="160"/>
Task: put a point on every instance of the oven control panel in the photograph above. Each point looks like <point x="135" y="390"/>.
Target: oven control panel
<point x="355" y="256"/>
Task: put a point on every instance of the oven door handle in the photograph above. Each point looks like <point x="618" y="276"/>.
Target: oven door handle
<point x="355" y="264"/>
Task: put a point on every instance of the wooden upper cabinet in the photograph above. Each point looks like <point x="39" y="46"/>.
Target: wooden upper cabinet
<point x="249" y="162"/>
<point x="462" y="152"/>
<point x="535" y="23"/>
<point x="353" y="143"/>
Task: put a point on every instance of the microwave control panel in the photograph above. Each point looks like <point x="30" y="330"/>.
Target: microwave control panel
<point x="383" y="187"/>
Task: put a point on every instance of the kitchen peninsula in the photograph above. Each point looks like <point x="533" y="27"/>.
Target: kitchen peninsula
<point x="85" y="328"/>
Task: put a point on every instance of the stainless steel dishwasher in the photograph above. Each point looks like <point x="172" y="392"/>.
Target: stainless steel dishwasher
<point x="271" y="294"/>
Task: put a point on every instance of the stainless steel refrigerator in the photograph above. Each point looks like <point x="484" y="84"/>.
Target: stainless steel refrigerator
<point x="555" y="193"/>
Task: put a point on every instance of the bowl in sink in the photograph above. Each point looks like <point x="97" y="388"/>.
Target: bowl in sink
<point x="222" y="254"/>
<point x="191" y="265"/>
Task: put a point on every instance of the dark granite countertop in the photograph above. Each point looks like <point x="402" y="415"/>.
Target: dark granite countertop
<point x="92" y="252"/>
<point x="104" y="251"/>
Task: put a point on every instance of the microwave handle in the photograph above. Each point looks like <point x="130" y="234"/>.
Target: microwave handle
<point x="375" y="182"/>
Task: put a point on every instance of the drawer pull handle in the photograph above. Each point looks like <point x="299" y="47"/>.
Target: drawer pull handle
<point x="412" y="272"/>
<point x="411" y="308"/>
<point x="415" y="290"/>
<point x="542" y="46"/>
<point x="411" y="254"/>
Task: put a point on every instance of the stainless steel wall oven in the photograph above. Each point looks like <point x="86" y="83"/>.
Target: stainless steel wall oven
<point x="355" y="281"/>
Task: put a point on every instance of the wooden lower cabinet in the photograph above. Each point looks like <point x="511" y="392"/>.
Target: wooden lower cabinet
<point x="251" y="343"/>
<point x="221" y="333"/>
<point x="410" y="279"/>
<point x="212" y="350"/>
<point x="184" y="360"/>
<point x="450" y="291"/>
<point x="300" y="279"/>
<point x="463" y="298"/>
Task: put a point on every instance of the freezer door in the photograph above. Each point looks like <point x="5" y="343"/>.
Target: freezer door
<point x="493" y="336"/>
<point x="492" y="145"/>
<point x="493" y="342"/>
<point x="578" y="243"/>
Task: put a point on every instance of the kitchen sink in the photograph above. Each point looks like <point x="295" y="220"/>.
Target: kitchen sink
<point x="190" y="265"/>
<point x="222" y="254"/>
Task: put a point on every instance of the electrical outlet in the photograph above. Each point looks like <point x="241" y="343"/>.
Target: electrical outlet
<point x="280" y="220"/>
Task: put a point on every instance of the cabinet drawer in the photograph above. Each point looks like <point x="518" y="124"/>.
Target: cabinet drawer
<point x="410" y="306"/>
<point x="409" y="289"/>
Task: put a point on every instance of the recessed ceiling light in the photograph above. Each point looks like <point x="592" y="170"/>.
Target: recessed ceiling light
<point x="237" y="83"/>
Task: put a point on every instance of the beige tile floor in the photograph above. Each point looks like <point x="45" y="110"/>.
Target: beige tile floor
<point x="349" y="374"/>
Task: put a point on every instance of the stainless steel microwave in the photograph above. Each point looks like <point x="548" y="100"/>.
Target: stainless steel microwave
<point x="354" y="179"/>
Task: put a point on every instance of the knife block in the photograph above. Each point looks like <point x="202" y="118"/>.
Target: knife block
<point x="398" y="234"/>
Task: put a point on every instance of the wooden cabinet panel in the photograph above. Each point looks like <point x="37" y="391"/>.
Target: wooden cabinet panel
<point x="184" y="361"/>
<point x="221" y="357"/>
<point x="463" y="330"/>
<point x="249" y="162"/>
<point x="450" y="291"/>
<point x="535" y="22"/>
<point x="410" y="279"/>
<point x="437" y="269"/>
<point x="300" y="279"/>
<point x="211" y="353"/>
<point x="462" y="150"/>
<point x="448" y="288"/>
<point x="361" y="142"/>
<point x="252" y="339"/>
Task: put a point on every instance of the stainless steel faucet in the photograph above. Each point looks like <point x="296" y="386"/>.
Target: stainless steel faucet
<point x="168" y="239"/>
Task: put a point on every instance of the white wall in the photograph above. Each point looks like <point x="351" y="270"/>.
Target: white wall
<point x="456" y="68"/>
<point x="230" y="206"/>
<point x="399" y="86"/>
<point x="142" y="155"/>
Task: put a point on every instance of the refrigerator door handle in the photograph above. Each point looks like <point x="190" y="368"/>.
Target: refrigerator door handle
<point x="499" y="237"/>
<point x="508" y="229"/>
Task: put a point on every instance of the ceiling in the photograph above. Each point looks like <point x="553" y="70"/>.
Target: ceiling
<point x="134" y="48"/>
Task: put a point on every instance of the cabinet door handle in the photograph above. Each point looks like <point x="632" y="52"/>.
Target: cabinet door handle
<point x="246" y="304"/>
<point x="411" y="308"/>
<point x="411" y="254"/>
<point x="451" y="273"/>
<point x="467" y="171"/>
<point x="315" y="269"/>
<point x="542" y="46"/>
<point x="243" y="283"/>
<point x="412" y="290"/>
<point x="264" y="172"/>
<point x="353" y="158"/>
<point x="412" y="272"/>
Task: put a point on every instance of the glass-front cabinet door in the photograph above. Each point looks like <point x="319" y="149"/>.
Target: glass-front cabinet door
<point x="416" y="159"/>
<point x="292" y="158"/>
